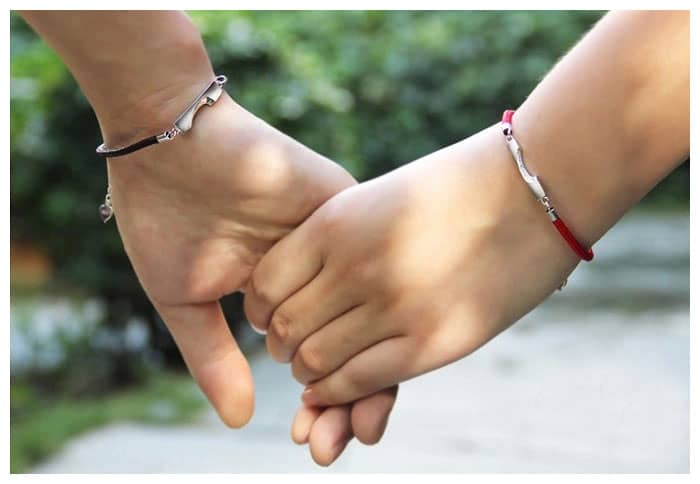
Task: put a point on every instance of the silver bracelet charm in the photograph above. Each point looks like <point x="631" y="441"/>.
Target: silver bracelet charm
<point x="105" y="209"/>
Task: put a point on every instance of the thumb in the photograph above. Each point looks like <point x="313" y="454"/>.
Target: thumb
<point x="213" y="358"/>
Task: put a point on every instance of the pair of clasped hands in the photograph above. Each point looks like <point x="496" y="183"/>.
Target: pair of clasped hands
<point x="357" y="286"/>
<point x="362" y="286"/>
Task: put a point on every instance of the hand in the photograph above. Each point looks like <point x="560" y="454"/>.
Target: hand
<point x="328" y="430"/>
<point x="195" y="215"/>
<point x="407" y="272"/>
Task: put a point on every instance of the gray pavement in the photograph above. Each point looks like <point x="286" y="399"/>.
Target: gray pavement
<point x="595" y="380"/>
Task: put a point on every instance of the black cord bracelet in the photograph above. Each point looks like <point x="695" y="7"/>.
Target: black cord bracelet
<point x="182" y="124"/>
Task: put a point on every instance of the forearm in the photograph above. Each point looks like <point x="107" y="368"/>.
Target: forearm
<point x="136" y="68"/>
<point x="611" y="120"/>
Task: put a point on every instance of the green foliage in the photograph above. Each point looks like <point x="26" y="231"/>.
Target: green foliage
<point x="372" y="90"/>
<point x="40" y="426"/>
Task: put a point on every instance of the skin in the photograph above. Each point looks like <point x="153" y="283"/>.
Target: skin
<point x="422" y="266"/>
<point x="196" y="214"/>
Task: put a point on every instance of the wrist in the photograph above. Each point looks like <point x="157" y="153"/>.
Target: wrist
<point x="588" y="183"/>
<point x="137" y="69"/>
<point x="140" y="90"/>
<point x="484" y="169"/>
<point x="496" y="222"/>
<point x="241" y="150"/>
<point x="521" y="232"/>
<point x="600" y="143"/>
<point x="150" y="102"/>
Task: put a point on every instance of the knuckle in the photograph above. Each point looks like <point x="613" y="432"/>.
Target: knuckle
<point x="332" y="217"/>
<point x="281" y="327"/>
<point x="300" y="373"/>
<point x="358" y="380"/>
<point x="260" y="290"/>
<point x="311" y="359"/>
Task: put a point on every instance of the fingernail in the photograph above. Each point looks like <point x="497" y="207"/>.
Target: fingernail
<point x="339" y="447"/>
<point x="257" y="330"/>
<point x="308" y="397"/>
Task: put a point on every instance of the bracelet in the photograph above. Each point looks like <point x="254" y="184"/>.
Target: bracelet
<point x="536" y="187"/>
<point x="182" y="124"/>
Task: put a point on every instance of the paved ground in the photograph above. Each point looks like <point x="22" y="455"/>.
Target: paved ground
<point x="596" y="380"/>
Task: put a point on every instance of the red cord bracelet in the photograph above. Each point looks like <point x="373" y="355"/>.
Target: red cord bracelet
<point x="536" y="187"/>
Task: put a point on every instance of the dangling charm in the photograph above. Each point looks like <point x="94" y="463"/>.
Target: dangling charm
<point x="105" y="209"/>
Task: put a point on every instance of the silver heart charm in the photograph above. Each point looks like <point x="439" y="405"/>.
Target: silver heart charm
<point x="105" y="212"/>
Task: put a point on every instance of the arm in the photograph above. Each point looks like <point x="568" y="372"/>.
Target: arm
<point x="422" y="266"/>
<point x="196" y="213"/>
<point x="195" y="226"/>
<point x="127" y="64"/>
<point x="612" y="119"/>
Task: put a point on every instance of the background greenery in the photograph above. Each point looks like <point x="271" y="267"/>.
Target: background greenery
<point x="372" y="90"/>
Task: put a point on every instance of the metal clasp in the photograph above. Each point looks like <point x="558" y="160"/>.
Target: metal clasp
<point x="207" y="97"/>
<point x="532" y="181"/>
<point x="185" y="120"/>
<point x="167" y="135"/>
